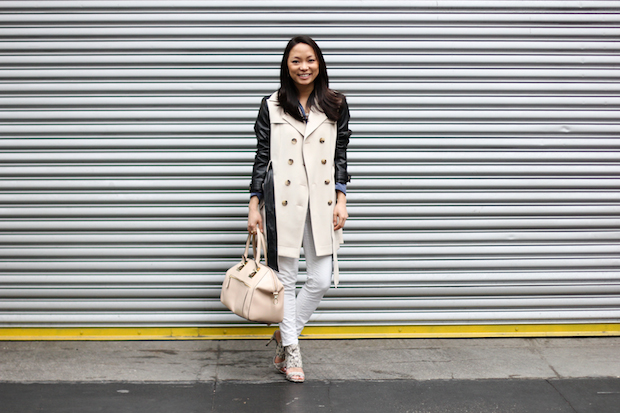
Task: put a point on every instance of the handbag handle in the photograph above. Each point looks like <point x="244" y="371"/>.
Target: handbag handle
<point x="258" y="242"/>
<point x="247" y="248"/>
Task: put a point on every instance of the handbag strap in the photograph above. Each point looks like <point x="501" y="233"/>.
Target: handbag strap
<point x="260" y="238"/>
<point x="258" y="245"/>
<point x="247" y="248"/>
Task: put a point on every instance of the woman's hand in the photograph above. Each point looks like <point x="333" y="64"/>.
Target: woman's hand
<point x="340" y="211"/>
<point x="255" y="219"/>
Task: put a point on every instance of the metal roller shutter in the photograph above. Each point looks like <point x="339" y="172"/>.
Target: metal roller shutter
<point x="485" y="158"/>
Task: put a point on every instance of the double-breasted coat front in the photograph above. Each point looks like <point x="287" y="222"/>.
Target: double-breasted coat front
<point x="303" y="159"/>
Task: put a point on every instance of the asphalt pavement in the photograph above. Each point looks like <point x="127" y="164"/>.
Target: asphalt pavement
<point x="395" y="375"/>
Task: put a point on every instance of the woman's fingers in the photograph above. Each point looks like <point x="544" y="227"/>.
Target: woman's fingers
<point x="340" y="217"/>
<point x="255" y="220"/>
<point x="339" y="224"/>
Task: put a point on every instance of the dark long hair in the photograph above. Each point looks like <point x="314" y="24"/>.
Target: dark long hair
<point x="327" y="100"/>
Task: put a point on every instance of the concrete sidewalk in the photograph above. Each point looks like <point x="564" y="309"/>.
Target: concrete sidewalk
<point x="248" y="360"/>
<point x="397" y="375"/>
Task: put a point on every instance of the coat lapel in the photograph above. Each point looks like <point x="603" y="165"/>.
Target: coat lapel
<point x="315" y="119"/>
<point x="277" y="115"/>
<point x="300" y="126"/>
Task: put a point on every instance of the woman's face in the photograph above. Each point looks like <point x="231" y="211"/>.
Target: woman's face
<point x="303" y="65"/>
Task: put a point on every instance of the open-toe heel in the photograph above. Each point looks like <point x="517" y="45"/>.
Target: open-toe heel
<point x="293" y="360"/>
<point x="280" y="354"/>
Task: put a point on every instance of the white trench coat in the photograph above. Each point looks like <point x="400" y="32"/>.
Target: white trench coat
<point x="302" y="157"/>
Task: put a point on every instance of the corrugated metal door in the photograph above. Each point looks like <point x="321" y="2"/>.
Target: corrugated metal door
<point x="485" y="158"/>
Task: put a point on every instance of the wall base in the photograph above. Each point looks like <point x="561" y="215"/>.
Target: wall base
<point x="314" y="332"/>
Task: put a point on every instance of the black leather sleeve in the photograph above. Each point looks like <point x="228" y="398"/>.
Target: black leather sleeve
<point x="342" y="142"/>
<point x="262" y="128"/>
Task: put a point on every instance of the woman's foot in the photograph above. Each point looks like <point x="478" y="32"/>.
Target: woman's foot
<point x="279" y="361"/>
<point x="294" y="365"/>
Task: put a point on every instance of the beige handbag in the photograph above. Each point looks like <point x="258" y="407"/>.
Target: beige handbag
<point x="252" y="290"/>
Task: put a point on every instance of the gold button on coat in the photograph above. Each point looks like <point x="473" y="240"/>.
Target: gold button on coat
<point x="285" y="203"/>
<point x="323" y="161"/>
<point x="322" y="140"/>
<point x="327" y="182"/>
<point x="329" y="202"/>
<point x="287" y="183"/>
<point x="290" y="161"/>
<point x="294" y="140"/>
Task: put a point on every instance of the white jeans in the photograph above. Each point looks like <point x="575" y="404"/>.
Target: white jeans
<point x="298" y="310"/>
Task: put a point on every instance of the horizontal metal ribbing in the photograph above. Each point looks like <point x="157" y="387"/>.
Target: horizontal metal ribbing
<point x="485" y="158"/>
<point x="278" y="5"/>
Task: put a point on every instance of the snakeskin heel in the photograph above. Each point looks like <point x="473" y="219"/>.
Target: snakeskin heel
<point x="280" y="353"/>
<point x="293" y="360"/>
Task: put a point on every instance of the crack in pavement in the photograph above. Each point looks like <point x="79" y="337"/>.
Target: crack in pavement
<point x="562" y="396"/>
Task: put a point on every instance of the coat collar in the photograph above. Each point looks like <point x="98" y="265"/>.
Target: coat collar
<point x="315" y="118"/>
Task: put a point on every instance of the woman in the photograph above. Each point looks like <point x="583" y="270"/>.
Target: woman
<point x="300" y="172"/>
